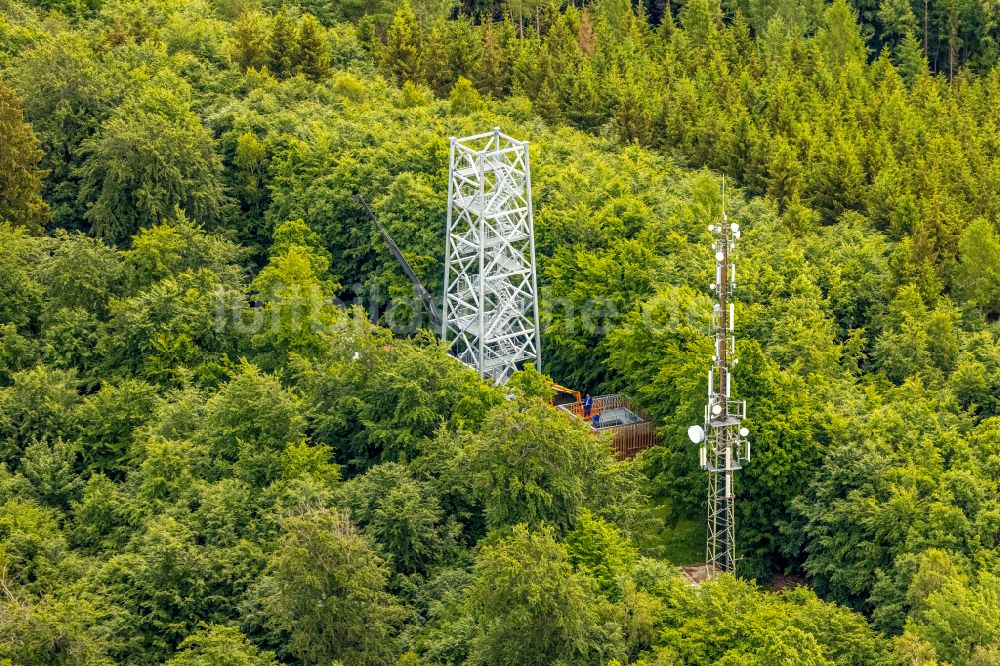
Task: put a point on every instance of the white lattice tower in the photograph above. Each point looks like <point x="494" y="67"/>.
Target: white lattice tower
<point x="490" y="308"/>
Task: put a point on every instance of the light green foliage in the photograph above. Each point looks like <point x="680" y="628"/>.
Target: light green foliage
<point x="599" y="550"/>
<point x="839" y="37"/>
<point x="916" y="339"/>
<point x="959" y="618"/>
<point x="535" y="466"/>
<point x="431" y="11"/>
<point x="195" y="31"/>
<point x="79" y="272"/>
<point x="168" y="471"/>
<point x="315" y="49"/>
<point x="411" y="209"/>
<point x="219" y="645"/>
<point x="325" y="586"/>
<point x="400" y="54"/>
<point x="41" y="403"/>
<point x="596" y="288"/>
<point x="297" y="234"/>
<point x="896" y="507"/>
<point x="67" y="94"/>
<point x="464" y="98"/>
<point x="700" y="20"/>
<point x="529" y="383"/>
<point x="771" y="629"/>
<point x="529" y="606"/>
<point x="22" y="295"/>
<point x="103" y="518"/>
<point x="107" y="420"/>
<point x="283" y="47"/>
<point x="978" y="266"/>
<point x="52" y="470"/>
<point x="180" y="328"/>
<point x="401" y="514"/>
<point x="249" y="423"/>
<point x="33" y="549"/>
<point x="250" y="160"/>
<point x="383" y="400"/>
<point x="226" y="518"/>
<point x="184" y="316"/>
<point x="295" y="289"/>
<point x="72" y="630"/>
<point x="176" y="247"/>
<point x="248" y="43"/>
<point x="166" y="584"/>
<point x="16" y="352"/>
<point x="301" y="460"/>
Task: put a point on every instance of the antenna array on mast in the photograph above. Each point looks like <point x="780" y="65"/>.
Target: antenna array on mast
<point x="724" y="444"/>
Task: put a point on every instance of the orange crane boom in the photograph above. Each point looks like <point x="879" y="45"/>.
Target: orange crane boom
<point x="568" y="391"/>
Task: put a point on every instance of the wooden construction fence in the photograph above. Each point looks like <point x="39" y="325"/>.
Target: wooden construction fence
<point x="629" y="438"/>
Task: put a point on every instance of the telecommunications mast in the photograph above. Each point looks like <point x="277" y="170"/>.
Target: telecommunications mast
<point x="724" y="444"/>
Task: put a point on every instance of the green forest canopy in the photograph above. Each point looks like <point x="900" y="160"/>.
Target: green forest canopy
<point x="183" y="484"/>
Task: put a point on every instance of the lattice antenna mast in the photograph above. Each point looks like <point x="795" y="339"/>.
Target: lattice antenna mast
<point x="724" y="443"/>
<point x="490" y="308"/>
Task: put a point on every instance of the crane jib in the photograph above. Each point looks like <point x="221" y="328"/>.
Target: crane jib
<point x="398" y="254"/>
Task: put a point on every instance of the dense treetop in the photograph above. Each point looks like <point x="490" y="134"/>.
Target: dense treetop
<point x="226" y="438"/>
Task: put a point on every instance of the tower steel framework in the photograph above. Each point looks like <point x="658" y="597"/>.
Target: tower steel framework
<point x="490" y="309"/>
<point x="724" y="443"/>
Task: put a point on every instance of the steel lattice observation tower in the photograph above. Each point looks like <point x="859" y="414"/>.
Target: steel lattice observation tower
<point x="489" y="312"/>
<point x="490" y="308"/>
<point x="724" y="443"/>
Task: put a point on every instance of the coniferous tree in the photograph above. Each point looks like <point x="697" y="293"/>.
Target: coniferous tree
<point x="314" y="49"/>
<point x="545" y="97"/>
<point x="633" y="117"/>
<point x="839" y="37"/>
<point x="20" y="178"/>
<point x="585" y="101"/>
<point x="435" y="60"/>
<point x="866" y="310"/>
<point x="525" y="12"/>
<point x="283" y="48"/>
<point x="249" y="45"/>
<point x="429" y="12"/>
<point x="909" y="57"/>
<point x="494" y="71"/>
<point x="784" y="172"/>
<point x="617" y="13"/>
<point x="897" y="20"/>
<point x="700" y="20"/>
<point x="464" y="49"/>
<point x="401" y="53"/>
<point x="792" y="13"/>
